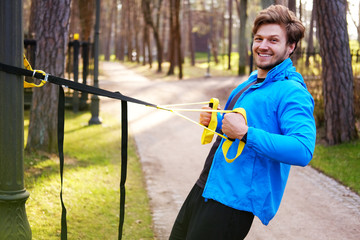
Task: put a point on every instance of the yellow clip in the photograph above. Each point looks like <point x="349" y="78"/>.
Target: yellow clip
<point x="28" y="67"/>
<point x="207" y="135"/>
<point x="227" y="143"/>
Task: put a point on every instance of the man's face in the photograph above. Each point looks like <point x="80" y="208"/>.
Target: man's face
<point x="270" y="47"/>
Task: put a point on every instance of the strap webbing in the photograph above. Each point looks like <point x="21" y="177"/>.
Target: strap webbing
<point x="124" y="147"/>
<point x="70" y="84"/>
<point x="61" y="121"/>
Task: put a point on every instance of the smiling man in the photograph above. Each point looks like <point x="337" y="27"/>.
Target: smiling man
<point x="279" y="132"/>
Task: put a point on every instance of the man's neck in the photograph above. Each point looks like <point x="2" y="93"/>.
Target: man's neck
<point x="262" y="73"/>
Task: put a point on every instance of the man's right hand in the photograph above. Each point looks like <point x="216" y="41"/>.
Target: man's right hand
<point x="205" y="117"/>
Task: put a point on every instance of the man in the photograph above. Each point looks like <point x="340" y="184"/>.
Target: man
<point x="279" y="132"/>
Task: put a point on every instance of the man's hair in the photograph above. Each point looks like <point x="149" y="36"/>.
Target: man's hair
<point x="281" y="15"/>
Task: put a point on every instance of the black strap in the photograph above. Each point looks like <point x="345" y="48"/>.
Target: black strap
<point x="71" y="84"/>
<point x="61" y="116"/>
<point x="237" y="96"/>
<point x="124" y="147"/>
<point x="61" y="121"/>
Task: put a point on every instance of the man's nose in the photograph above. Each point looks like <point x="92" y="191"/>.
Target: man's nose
<point x="264" y="44"/>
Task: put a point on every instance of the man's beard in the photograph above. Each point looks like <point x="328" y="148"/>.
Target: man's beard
<point x="271" y="66"/>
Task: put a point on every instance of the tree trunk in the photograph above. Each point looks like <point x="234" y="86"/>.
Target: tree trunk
<point x="147" y="45"/>
<point x="136" y="30"/>
<point x="52" y="39"/>
<point x="109" y="29"/>
<point x="129" y="30"/>
<point x="243" y="51"/>
<point x="337" y="72"/>
<point x="122" y="32"/>
<point x="147" y="11"/>
<point x="292" y="5"/>
<point x="310" y="47"/>
<point x="117" y="34"/>
<point x="190" y="34"/>
<point x="172" y="40"/>
<point x="86" y="15"/>
<point x="178" y="37"/>
<point x="230" y="35"/>
<point x="266" y="3"/>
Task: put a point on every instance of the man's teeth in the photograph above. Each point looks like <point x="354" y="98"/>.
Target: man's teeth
<point x="264" y="55"/>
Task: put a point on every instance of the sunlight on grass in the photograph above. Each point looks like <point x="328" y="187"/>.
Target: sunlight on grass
<point x="91" y="185"/>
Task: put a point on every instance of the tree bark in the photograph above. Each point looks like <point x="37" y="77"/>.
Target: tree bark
<point x="243" y="51"/>
<point x="129" y="30"/>
<point x="147" y="11"/>
<point x="122" y="37"/>
<point x="86" y="15"/>
<point x="337" y="75"/>
<point x="52" y="20"/>
<point x="109" y="28"/>
<point x="172" y="39"/>
<point x="310" y="47"/>
<point x="190" y="34"/>
<point x="230" y="34"/>
<point x="178" y="37"/>
<point x="266" y="3"/>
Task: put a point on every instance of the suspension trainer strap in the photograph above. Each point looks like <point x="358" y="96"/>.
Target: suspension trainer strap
<point x="61" y="121"/>
<point x="71" y="84"/>
<point x="124" y="147"/>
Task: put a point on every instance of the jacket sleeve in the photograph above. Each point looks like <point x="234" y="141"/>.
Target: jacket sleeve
<point x="295" y="143"/>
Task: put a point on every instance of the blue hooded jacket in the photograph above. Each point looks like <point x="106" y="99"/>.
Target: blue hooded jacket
<point x="281" y="133"/>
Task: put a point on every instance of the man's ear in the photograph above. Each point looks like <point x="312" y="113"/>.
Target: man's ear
<point x="291" y="49"/>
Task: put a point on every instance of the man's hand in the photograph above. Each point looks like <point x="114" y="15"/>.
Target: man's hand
<point x="234" y="126"/>
<point x="205" y="117"/>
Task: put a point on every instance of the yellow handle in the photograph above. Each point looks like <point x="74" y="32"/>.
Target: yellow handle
<point x="28" y="67"/>
<point x="207" y="135"/>
<point x="227" y="143"/>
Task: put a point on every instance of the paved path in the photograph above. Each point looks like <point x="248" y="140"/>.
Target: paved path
<point x="314" y="206"/>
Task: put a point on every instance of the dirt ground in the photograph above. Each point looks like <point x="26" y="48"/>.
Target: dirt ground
<point x="313" y="207"/>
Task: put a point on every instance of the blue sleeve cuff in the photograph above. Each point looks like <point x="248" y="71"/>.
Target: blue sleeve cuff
<point x="219" y="122"/>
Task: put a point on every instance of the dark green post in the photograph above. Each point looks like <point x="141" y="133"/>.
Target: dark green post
<point x="95" y="98"/>
<point x="13" y="195"/>
<point x="76" y="48"/>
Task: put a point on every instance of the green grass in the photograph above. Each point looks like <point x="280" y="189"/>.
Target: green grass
<point x="91" y="185"/>
<point x="342" y="162"/>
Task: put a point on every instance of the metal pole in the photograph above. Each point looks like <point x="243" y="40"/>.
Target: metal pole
<point x="94" y="98"/>
<point x="85" y="57"/>
<point x="76" y="48"/>
<point x="13" y="195"/>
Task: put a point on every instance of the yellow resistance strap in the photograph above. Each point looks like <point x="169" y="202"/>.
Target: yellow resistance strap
<point x="209" y="131"/>
<point x="227" y="144"/>
<point x="207" y="135"/>
<point x="28" y="67"/>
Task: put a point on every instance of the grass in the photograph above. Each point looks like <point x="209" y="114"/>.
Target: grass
<point x="91" y="185"/>
<point x="342" y="162"/>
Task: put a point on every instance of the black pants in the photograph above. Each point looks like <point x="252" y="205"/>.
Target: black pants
<point x="209" y="220"/>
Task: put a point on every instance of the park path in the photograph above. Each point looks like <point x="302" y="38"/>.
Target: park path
<point x="314" y="206"/>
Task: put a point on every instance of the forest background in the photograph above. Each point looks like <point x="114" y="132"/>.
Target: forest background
<point x="197" y="38"/>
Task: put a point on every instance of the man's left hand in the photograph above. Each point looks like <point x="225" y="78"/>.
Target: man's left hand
<point x="234" y="126"/>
